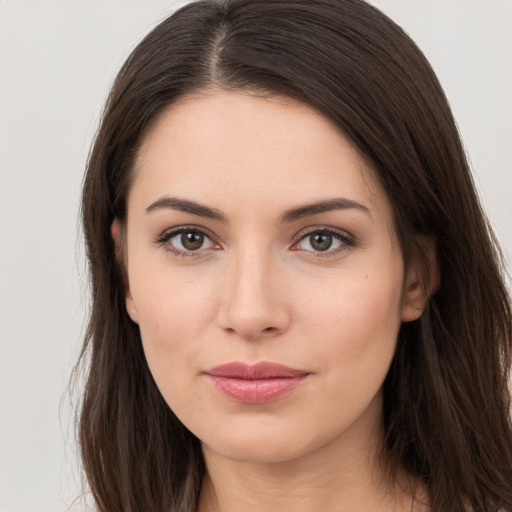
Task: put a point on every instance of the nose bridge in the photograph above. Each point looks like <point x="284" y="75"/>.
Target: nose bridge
<point x="254" y="305"/>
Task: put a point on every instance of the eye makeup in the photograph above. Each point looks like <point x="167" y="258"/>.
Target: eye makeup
<point x="195" y="241"/>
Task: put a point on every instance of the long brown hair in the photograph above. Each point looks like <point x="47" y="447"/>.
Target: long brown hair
<point x="446" y="397"/>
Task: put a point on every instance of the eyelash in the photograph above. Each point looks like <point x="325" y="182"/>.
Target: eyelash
<point x="164" y="238"/>
<point x="346" y="240"/>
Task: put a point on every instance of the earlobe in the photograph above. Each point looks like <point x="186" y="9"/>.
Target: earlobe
<point x="130" y="308"/>
<point x="414" y="299"/>
<point x="422" y="280"/>
<point x="116" y="230"/>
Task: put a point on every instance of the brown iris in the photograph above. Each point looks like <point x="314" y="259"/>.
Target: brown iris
<point x="321" y="241"/>
<point x="192" y="240"/>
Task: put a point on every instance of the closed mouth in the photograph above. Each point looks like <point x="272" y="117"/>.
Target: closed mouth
<point x="255" y="384"/>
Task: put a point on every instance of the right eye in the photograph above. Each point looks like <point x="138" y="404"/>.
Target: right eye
<point x="186" y="241"/>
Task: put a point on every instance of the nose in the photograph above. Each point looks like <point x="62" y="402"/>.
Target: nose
<point x="255" y="305"/>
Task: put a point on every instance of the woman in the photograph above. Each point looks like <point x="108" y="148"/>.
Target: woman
<point x="297" y="302"/>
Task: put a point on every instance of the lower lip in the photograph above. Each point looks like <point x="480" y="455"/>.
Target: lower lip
<point x="257" y="391"/>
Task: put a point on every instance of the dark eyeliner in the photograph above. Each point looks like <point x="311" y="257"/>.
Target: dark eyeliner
<point x="168" y="234"/>
<point x="347" y="240"/>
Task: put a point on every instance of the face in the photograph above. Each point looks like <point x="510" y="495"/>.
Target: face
<point x="264" y="273"/>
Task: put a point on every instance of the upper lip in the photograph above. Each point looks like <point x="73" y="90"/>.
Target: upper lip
<point x="262" y="370"/>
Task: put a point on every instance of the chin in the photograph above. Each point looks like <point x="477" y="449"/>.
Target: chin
<point x="266" y="444"/>
<point x="258" y="451"/>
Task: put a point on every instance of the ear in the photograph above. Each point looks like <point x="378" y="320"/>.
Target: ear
<point x="422" y="279"/>
<point x="117" y="232"/>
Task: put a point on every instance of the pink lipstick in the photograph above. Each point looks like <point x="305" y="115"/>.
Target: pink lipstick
<point x="255" y="384"/>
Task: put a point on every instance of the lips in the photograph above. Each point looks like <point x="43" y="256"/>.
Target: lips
<point x="255" y="384"/>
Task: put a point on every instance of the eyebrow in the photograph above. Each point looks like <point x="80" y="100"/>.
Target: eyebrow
<point x="337" y="203"/>
<point x="184" y="205"/>
<point x="291" y="215"/>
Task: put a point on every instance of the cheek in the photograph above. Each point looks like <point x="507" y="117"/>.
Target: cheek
<point x="358" y="318"/>
<point x="352" y="335"/>
<point x="173" y="315"/>
<point x="173" y="311"/>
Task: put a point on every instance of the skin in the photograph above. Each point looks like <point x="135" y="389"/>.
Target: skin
<point x="258" y="289"/>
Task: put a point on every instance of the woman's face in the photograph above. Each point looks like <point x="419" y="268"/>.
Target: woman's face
<point x="265" y="275"/>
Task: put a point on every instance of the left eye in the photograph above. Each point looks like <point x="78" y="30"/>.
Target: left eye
<point x="187" y="240"/>
<point x="322" y="241"/>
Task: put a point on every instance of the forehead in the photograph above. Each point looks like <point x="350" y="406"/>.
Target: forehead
<point x="236" y="147"/>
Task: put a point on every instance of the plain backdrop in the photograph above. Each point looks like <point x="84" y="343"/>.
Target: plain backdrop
<point x="57" y="61"/>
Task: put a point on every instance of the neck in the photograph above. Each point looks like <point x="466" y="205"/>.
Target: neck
<point x="346" y="474"/>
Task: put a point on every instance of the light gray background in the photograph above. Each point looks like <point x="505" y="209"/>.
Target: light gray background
<point x="57" y="60"/>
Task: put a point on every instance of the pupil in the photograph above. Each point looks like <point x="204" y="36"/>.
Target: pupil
<point x="321" y="242"/>
<point x="192" y="240"/>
